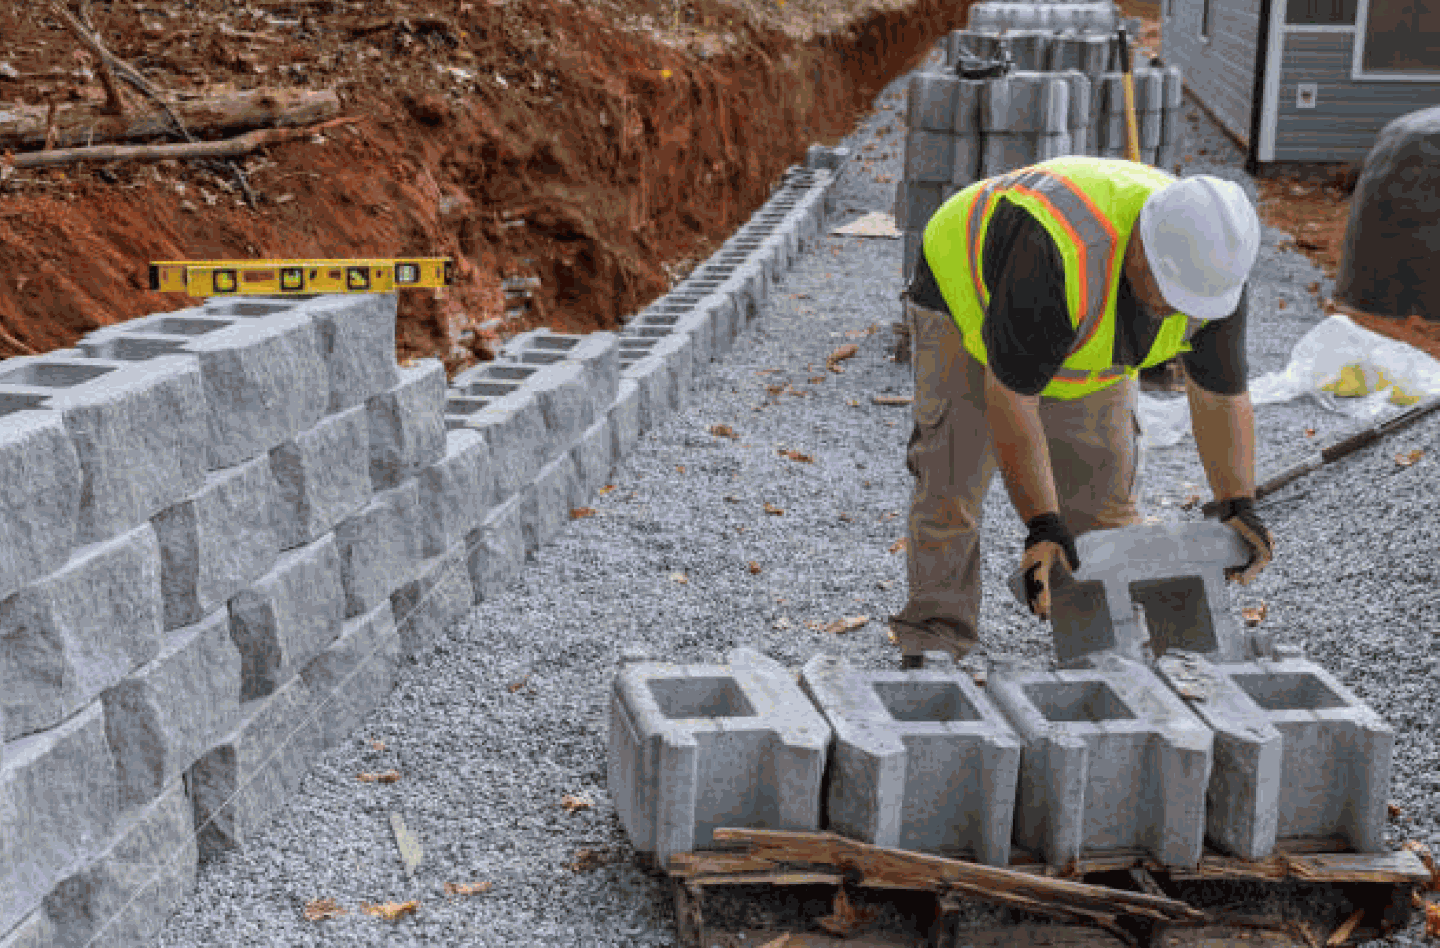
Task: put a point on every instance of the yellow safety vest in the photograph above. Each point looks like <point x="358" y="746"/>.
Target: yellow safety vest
<point x="1089" y="207"/>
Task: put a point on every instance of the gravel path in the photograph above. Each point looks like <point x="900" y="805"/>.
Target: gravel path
<point x="507" y="714"/>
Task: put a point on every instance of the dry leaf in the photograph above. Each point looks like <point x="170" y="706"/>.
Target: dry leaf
<point x="587" y="859"/>
<point x="1191" y="502"/>
<point x="1342" y="934"/>
<point x="1405" y="460"/>
<point x="848" y="624"/>
<point x="888" y="515"/>
<point x="1432" y="920"/>
<point x="846" y="351"/>
<point x="571" y="803"/>
<point x="846" y="919"/>
<point x="782" y="942"/>
<point x="776" y="389"/>
<point x="772" y="509"/>
<point x="782" y="623"/>
<point x="605" y="490"/>
<point x="899" y="545"/>
<point x="680" y="468"/>
<point x="1393" y="810"/>
<point x="754" y="568"/>
<point x="468" y="888"/>
<point x="723" y="431"/>
<point x="1254" y="615"/>
<point x="847" y="518"/>
<point x="1423" y="852"/>
<point x="731" y="499"/>
<point x="1309" y="432"/>
<point x="815" y="379"/>
<point x="577" y="513"/>
<point x="1280" y="303"/>
<point x="515" y="686"/>
<point x="377" y="745"/>
<point x="316" y="909"/>
<point x="389" y="776"/>
<point x="390" y="911"/>
<point x="680" y="578"/>
<point x="814" y="625"/>
<point x="798" y="456"/>
<point x="885" y="583"/>
<point x="892" y="399"/>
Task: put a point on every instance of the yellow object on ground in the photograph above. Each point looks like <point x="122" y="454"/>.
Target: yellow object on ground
<point x="1353" y="383"/>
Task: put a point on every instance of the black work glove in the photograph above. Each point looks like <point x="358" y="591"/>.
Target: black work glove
<point x="1238" y="513"/>
<point x="1049" y="539"/>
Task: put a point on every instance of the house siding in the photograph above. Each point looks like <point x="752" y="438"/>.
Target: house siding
<point x="1348" y="113"/>
<point x="1221" y="73"/>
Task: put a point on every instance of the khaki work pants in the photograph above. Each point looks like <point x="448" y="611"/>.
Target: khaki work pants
<point x="1095" y="453"/>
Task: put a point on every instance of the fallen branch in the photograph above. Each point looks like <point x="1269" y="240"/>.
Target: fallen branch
<point x="114" y="101"/>
<point x="227" y="148"/>
<point x="413" y="24"/>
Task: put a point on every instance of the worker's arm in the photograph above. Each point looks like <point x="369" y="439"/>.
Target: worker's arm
<point x="1225" y="437"/>
<point x="1020" y="448"/>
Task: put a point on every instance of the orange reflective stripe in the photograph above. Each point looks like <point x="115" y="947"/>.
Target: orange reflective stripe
<point x="979" y="210"/>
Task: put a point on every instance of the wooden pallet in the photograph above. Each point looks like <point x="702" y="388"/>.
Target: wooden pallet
<point x="1084" y="898"/>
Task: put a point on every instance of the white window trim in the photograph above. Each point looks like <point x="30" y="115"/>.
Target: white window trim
<point x="1362" y="20"/>
<point x="1270" y="114"/>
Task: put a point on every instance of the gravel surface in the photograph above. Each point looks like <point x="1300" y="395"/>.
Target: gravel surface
<point x="508" y="714"/>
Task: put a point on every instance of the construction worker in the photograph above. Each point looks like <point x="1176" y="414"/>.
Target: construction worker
<point x="1038" y="296"/>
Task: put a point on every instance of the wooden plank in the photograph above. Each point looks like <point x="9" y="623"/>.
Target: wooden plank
<point x="1312" y="844"/>
<point x="687" y="864"/>
<point x="769" y="878"/>
<point x="1402" y="867"/>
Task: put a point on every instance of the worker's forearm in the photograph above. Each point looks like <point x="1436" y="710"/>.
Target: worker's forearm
<point x="1020" y="449"/>
<point x="1225" y="437"/>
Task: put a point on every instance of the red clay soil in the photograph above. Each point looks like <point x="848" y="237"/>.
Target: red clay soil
<point x="600" y="148"/>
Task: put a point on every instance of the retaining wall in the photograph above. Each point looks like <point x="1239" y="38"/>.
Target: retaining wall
<point x="222" y="529"/>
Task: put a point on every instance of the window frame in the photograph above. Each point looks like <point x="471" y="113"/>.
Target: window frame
<point x="1357" y="71"/>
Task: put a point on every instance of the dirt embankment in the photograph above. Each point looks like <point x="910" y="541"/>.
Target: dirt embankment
<point x="597" y="148"/>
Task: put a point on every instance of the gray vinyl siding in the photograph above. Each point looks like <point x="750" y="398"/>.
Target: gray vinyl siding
<point x="1220" y="73"/>
<point x="1348" y="114"/>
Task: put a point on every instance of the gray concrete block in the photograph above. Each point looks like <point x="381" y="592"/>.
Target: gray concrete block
<point x="1148" y="125"/>
<point x="497" y="549"/>
<point x="265" y="382"/>
<point x="916" y="203"/>
<point x="1030" y="48"/>
<point x="598" y="352"/>
<point x="439" y="596"/>
<point x="697" y="747"/>
<point x="69" y="636"/>
<point x="455" y="492"/>
<point x="34" y="932"/>
<point x="1172" y="126"/>
<point x="1112" y="760"/>
<point x="407" y="424"/>
<point x="1006" y="151"/>
<point x="215" y="542"/>
<point x="1078" y="98"/>
<point x="125" y="897"/>
<point x="969" y="160"/>
<point x="1167" y="155"/>
<point x="594" y="456"/>
<point x="566" y="404"/>
<point x="39" y="496"/>
<point x="1034" y="102"/>
<point x="138" y="430"/>
<point x="379" y="547"/>
<point x="929" y="157"/>
<point x="1297" y="754"/>
<point x="514" y="429"/>
<point x="1053" y="146"/>
<point x="931" y="102"/>
<point x="658" y="397"/>
<point x="136" y="340"/>
<point x="914" y="242"/>
<point x="288" y="616"/>
<point x="353" y="675"/>
<point x="625" y="418"/>
<point x="921" y="760"/>
<point x="357" y="343"/>
<point x="249" y="774"/>
<point x="165" y="714"/>
<point x="1174" y="573"/>
<point x="322" y="476"/>
<point x="1149" y="85"/>
<point x="58" y="807"/>
<point x="546" y="503"/>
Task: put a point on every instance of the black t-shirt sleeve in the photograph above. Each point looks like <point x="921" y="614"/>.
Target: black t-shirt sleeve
<point x="1217" y="358"/>
<point x="1027" y="330"/>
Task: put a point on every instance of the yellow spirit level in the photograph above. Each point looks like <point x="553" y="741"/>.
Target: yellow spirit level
<point x="301" y="277"/>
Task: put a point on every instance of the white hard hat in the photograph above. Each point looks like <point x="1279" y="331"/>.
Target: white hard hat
<point x="1201" y="237"/>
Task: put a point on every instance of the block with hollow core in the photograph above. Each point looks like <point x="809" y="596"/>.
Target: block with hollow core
<point x="138" y="429"/>
<point x="1175" y="574"/>
<point x="127" y="894"/>
<point x="1078" y="97"/>
<point x="357" y="344"/>
<point x="440" y="595"/>
<point x="1112" y="759"/>
<point x="597" y="352"/>
<point x="921" y="760"/>
<point x="565" y="403"/>
<point x="656" y="378"/>
<point x="321" y="476"/>
<point x="353" y="674"/>
<point x="931" y="102"/>
<point x="455" y="492"/>
<point x="407" y="424"/>
<point x="1007" y="151"/>
<point x="1033" y="102"/>
<point x="67" y="637"/>
<point x="216" y="541"/>
<point x="1297" y="754"/>
<point x="168" y="712"/>
<point x="495" y="551"/>
<point x="249" y="773"/>
<point x="58" y="806"/>
<point x="697" y="747"/>
<point x="40" y="488"/>
<point x="916" y="202"/>
<point x="287" y="616"/>
<point x="929" y="157"/>
<point x="514" y="430"/>
<point x="379" y="547"/>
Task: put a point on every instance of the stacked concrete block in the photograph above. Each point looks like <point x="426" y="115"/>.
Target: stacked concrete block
<point x="357" y="343"/>
<point x="1150" y="102"/>
<point x="1025" y="117"/>
<point x="39" y="496"/>
<point x="379" y="547"/>
<point x="977" y="42"/>
<point x="1112" y="759"/>
<point x="1079" y="120"/>
<point x="407" y="425"/>
<point x="321" y="477"/>
<point x="1172" y="125"/>
<point x="496" y="549"/>
<point x="1083" y="17"/>
<point x="593" y="456"/>
<point x="921" y="760"/>
<point x="1144" y="590"/>
<point x="546" y="503"/>
<point x="1029" y="49"/>
<point x="509" y="417"/>
<point x="455" y="492"/>
<point x="440" y="594"/>
<point x="943" y="152"/>
<point x="1297" y="755"/>
<point x="1085" y="53"/>
<point x="698" y="747"/>
<point x="353" y="674"/>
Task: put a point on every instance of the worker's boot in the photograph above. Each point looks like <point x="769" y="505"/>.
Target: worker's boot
<point x="934" y="635"/>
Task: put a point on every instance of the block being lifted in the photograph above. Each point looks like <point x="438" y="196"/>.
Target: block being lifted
<point x="922" y="760"/>
<point x="697" y="747"/>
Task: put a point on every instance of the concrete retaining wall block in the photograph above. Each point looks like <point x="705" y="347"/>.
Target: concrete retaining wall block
<point x="407" y="425"/>
<point x="514" y="430"/>
<point x="379" y="547"/>
<point x="357" y="342"/>
<point x="440" y="595"/>
<point x="288" y="616"/>
<point x="217" y="541"/>
<point x="163" y="716"/>
<point x="921" y="760"/>
<point x="625" y="418"/>
<point x="455" y="492"/>
<point x="34" y="932"/>
<point x="322" y="476"/>
<point x="674" y="781"/>
<point x="58" y="806"/>
<point x="39" y="496"/>
<point x="929" y="157"/>
<point x="594" y="456"/>
<point x="1112" y="760"/>
<point x="931" y="102"/>
<point x="78" y="631"/>
<point x="546" y="503"/>
<point x="353" y="674"/>
<point x="497" y="549"/>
